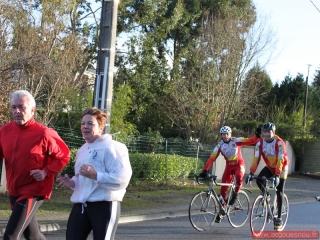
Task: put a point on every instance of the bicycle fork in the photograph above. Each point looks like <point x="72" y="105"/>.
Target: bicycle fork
<point x="271" y="209"/>
<point x="222" y="211"/>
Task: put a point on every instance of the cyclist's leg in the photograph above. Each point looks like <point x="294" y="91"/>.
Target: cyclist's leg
<point x="280" y="189"/>
<point x="22" y="219"/>
<point x="226" y="178"/>
<point x="266" y="172"/>
<point x="239" y="173"/>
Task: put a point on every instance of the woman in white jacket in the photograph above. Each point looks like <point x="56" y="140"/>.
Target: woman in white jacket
<point x="102" y="173"/>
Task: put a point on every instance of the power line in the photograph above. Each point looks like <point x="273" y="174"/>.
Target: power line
<point x="315" y="6"/>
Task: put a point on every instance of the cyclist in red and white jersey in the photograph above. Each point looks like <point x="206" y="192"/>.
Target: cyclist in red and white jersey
<point x="229" y="147"/>
<point x="273" y="151"/>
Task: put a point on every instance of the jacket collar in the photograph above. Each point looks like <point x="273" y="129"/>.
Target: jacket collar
<point x="27" y="124"/>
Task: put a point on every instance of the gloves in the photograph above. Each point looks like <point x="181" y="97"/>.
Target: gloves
<point x="258" y="132"/>
<point x="204" y="174"/>
<point x="276" y="181"/>
<point x="249" y="177"/>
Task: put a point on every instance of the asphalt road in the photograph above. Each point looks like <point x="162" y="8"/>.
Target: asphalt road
<point x="302" y="216"/>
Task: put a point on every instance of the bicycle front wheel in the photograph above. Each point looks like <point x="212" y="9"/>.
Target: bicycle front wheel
<point x="284" y="213"/>
<point x="203" y="210"/>
<point x="258" y="217"/>
<point x="238" y="213"/>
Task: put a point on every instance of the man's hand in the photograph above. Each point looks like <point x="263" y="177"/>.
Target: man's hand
<point x="38" y="174"/>
<point x="258" y="132"/>
<point x="204" y="174"/>
<point x="249" y="178"/>
<point x="88" y="171"/>
<point x="276" y="181"/>
<point x="65" y="181"/>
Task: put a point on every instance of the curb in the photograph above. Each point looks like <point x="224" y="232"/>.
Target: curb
<point x="156" y="216"/>
<point x="49" y="227"/>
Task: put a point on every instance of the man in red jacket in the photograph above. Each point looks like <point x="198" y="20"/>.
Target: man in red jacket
<point x="33" y="154"/>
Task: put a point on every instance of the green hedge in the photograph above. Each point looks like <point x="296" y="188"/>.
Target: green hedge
<point x="150" y="166"/>
<point x="69" y="169"/>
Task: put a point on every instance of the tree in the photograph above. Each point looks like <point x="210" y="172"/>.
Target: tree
<point x="121" y="108"/>
<point x="162" y="34"/>
<point x="206" y="92"/>
<point x="47" y="50"/>
<point x="254" y="92"/>
<point x="290" y="93"/>
<point x="314" y="104"/>
<point x="6" y="56"/>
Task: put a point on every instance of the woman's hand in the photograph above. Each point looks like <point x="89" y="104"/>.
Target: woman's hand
<point x="65" y="181"/>
<point x="88" y="171"/>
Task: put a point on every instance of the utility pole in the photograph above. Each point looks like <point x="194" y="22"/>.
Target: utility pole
<point x="103" y="88"/>
<point x="305" y="101"/>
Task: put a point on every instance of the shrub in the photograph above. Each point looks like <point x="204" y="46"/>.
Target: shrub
<point x="150" y="166"/>
<point x="69" y="169"/>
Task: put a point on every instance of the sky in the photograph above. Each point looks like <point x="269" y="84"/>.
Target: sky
<point x="297" y="27"/>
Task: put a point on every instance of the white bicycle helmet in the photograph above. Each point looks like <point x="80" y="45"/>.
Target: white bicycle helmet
<point x="225" y="129"/>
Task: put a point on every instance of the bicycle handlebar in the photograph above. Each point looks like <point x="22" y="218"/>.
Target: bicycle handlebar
<point x="209" y="177"/>
<point x="263" y="179"/>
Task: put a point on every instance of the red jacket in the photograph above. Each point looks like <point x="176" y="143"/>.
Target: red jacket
<point x="29" y="147"/>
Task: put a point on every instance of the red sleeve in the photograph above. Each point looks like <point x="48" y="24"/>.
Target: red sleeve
<point x="212" y="158"/>
<point x="1" y="152"/>
<point x="58" y="152"/>
<point x="240" y="141"/>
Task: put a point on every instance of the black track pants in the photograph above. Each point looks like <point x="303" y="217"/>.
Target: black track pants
<point x="100" y="217"/>
<point x="23" y="219"/>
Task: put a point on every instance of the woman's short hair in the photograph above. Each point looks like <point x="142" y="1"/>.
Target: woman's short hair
<point x="23" y="93"/>
<point x="98" y="114"/>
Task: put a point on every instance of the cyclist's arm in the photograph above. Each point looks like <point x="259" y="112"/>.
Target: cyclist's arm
<point x="212" y="158"/>
<point x="241" y="141"/>
<point x="256" y="158"/>
<point x="280" y="157"/>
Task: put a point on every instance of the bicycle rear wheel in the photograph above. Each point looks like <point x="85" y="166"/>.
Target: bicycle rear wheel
<point x="238" y="213"/>
<point x="203" y="210"/>
<point x="284" y="213"/>
<point x="258" y="217"/>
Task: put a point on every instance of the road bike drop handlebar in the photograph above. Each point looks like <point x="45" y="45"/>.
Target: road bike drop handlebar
<point x="210" y="177"/>
<point x="213" y="179"/>
<point x="264" y="180"/>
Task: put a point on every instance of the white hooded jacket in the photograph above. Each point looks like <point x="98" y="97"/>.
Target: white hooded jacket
<point x="111" y="161"/>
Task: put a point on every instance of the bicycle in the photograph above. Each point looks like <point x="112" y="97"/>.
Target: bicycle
<point x="205" y="206"/>
<point x="264" y="210"/>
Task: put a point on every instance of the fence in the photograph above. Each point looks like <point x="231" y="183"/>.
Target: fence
<point x="152" y="158"/>
<point x="162" y="160"/>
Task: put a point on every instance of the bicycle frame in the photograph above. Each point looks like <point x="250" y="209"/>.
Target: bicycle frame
<point x="211" y="190"/>
<point x="271" y="204"/>
<point x="205" y="207"/>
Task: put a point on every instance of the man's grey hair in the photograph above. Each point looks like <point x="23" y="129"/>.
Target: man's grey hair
<point x="23" y="93"/>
